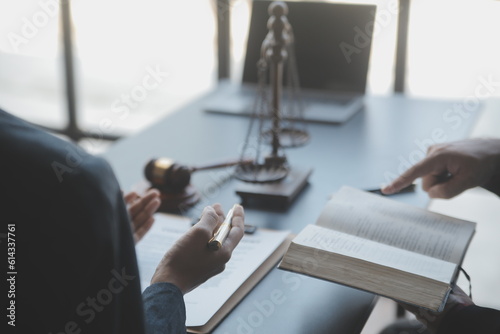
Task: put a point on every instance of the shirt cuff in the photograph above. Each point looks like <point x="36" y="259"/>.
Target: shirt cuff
<point x="165" y="311"/>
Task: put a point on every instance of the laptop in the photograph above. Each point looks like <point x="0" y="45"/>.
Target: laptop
<point x="332" y="50"/>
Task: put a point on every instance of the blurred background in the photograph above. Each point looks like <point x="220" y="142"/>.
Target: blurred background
<point x="116" y="43"/>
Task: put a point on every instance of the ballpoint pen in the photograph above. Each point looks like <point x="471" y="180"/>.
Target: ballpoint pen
<point x="216" y="241"/>
<point x="407" y="189"/>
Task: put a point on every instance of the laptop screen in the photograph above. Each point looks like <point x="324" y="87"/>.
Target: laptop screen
<point x="332" y="43"/>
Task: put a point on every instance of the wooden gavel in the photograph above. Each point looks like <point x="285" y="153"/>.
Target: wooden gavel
<point x="171" y="177"/>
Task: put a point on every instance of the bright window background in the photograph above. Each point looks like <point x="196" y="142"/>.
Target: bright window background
<point x="118" y="43"/>
<point x="121" y="43"/>
<point x="452" y="44"/>
<point x="30" y="80"/>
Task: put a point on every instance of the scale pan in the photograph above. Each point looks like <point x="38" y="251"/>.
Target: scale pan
<point x="288" y="137"/>
<point x="256" y="173"/>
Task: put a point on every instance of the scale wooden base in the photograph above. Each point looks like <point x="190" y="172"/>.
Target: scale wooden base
<point x="277" y="194"/>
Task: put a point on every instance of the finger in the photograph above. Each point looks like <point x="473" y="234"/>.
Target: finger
<point x="448" y="189"/>
<point x="130" y="197"/>
<point x="218" y="209"/>
<point x="424" y="167"/>
<point x="430" y="180"/>
<point x="237" y="229"/>
<point x="143" y="229"/>
<point x="209" y="220"/>
<point x="144" y="216"/>
<point x="458" y="291"/>
<point x="141" y="204"/>
<point x="458" y="296"/>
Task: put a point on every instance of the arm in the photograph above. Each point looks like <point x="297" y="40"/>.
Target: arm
<point x="471" y="319"/>
<point x="186" y="265"/>
<point x="164" y="309"/>
<point x="460" y="316"/>
<point x="449" y="169"/>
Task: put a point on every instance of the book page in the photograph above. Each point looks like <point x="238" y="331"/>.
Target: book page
<point x="332" y="241"/>
<point x="380" y="219"/>
<point x="204" y="301"/>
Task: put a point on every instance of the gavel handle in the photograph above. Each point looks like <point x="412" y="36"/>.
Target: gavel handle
<point x="221" y="165"/>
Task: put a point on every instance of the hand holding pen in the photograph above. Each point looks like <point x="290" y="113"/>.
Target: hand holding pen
<point x="189" y="262"/>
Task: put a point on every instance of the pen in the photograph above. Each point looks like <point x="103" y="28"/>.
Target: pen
<point x="407" y="189"/>
<point x="216" y="242"/>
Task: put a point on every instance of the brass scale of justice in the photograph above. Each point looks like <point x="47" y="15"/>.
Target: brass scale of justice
<point x="280" y="125"/>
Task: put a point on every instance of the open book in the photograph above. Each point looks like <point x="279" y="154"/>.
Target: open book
<point x="209" y="303"/>
<point x="382" y="246"/>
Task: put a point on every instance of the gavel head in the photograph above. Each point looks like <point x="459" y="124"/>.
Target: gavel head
<point x="167" y="176"/>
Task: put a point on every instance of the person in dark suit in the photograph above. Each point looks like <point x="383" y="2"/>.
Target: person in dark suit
<point x="75" y="257"/>
<point x="447" y="171"/>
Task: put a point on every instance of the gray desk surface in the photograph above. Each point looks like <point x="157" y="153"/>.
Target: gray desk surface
<point x="369" y="150"/>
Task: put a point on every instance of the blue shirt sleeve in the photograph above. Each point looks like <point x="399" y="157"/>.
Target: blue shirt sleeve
<point x="164" y="308"/>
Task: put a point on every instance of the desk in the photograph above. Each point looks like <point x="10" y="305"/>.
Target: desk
<point x="388" y="135"/>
